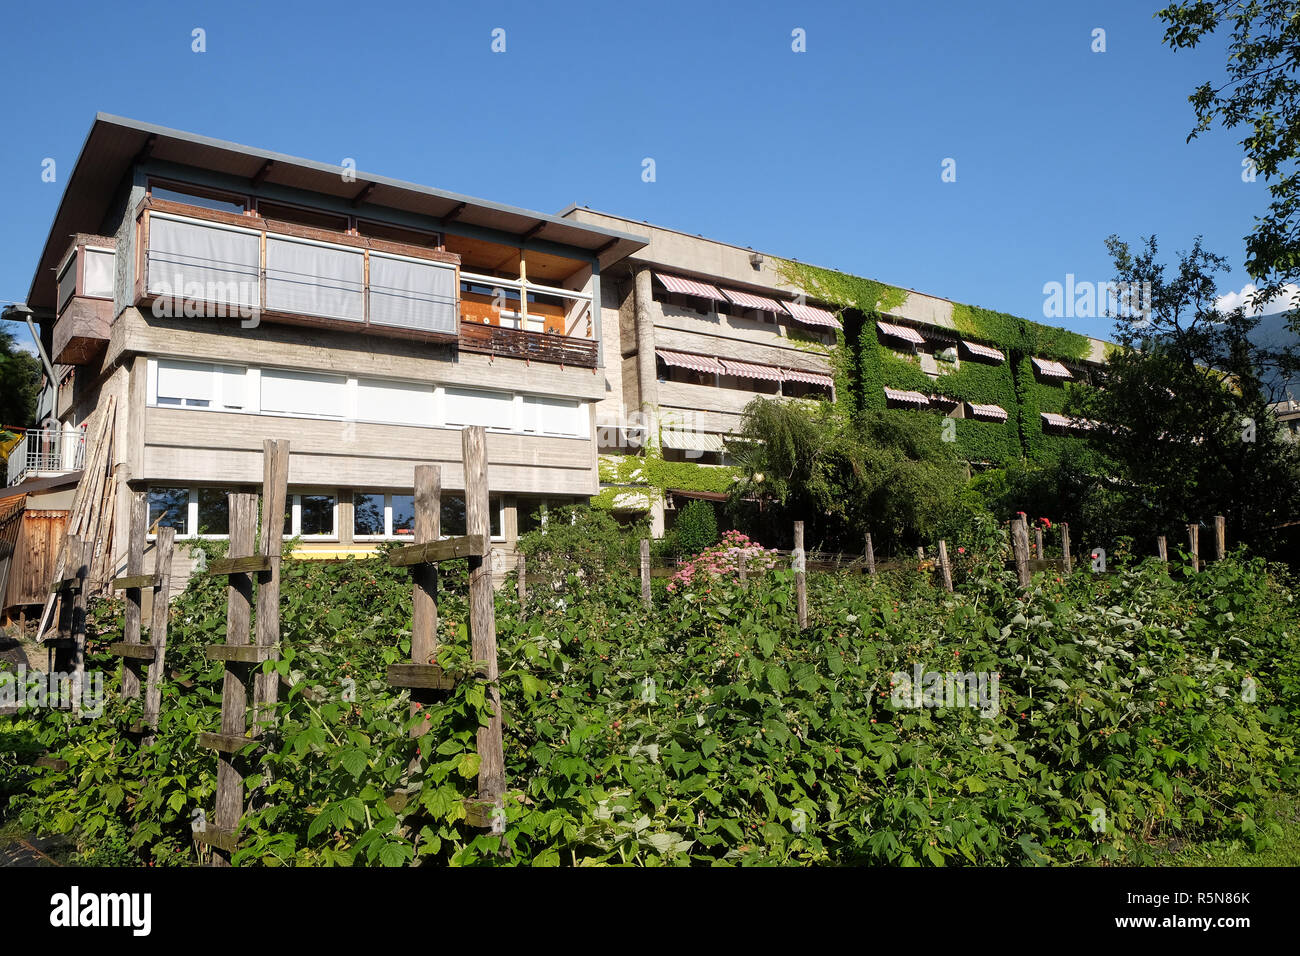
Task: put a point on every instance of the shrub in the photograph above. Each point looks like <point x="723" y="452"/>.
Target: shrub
<point x="696" y="528"/>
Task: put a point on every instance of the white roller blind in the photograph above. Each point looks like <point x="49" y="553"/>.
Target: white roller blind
<point x="222" y="262"/>
<point x="98" y="278"/>
<point x="468" y="407"/>
<point x="233" y="384"/>
<point x="184" y="380"/>
<point x="412" y="294"/>
<point x="313" y="279"/>
<point x="303" y="393"/>
<point x="399" y="403"/>
<point x="554" y="416"/>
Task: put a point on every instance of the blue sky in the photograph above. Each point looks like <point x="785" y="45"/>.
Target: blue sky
<point x="832" y="156"/>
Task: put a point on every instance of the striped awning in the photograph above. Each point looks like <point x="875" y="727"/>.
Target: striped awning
<point x="983" y="351"/>
<point x="747" y="300"/>
<point x="698" y="363"/>
<point x="1054" y="369"/>
<point x="809" y="315"/>
<point x="899" y="395"/>
<point x="689" y="287"/>
<point x="766" y="373"/>
<point x="812" y="378"/>
<point x="686" y="440"/>
<point x="1065" y="421"/>
<point x="901" y="332"/>
<point x="996" y="412"/>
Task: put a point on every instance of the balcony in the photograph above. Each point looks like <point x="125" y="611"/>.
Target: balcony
<point x="85" y="310"/>
<point x="521" y="344"/>
<point x="45" y="453"/>
<point x="212" y="264"/>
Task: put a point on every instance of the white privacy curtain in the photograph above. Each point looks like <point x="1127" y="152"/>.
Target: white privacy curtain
<point x="185" y="380"/>
<point x="412" y="293"/>
<point x="98" y="278"/>
<point x="224" y="262"/>
<point x="303" y="393"/>
<point x="396" y="403"/>
<point x="310" y="278"/>
<point x="555" y="416"/>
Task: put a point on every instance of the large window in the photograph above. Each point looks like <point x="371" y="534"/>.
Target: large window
<point x="204" y="261"/>
<point x="197" y="196"/>
<point x="412" y="293"/>
<point x="304" y="393"/>
<point x="170" y="508"/>
<point x="314" y="278"/>
<point x="193" y="511"/>
<point x="311" y="515"/>
<point x="397" y="403"/>
<point x="554" y="416"/>
<point x="464" y="406"/>
<point x="380" y="515"/>
<point x="453" y="517"/>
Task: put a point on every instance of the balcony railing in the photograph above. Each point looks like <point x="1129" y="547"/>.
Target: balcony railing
<point x="46" y="452"/>
<point x="520" y="344"/>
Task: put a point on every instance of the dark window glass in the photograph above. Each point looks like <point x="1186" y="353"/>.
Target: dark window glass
<point x="529" y="515"/>
<point x="305" y="217"/>
<point x="197" y="198"/>
<point x="172" y="505"/>
<point x="317" y="514"/>
<point x="453" y="516"/>
<point x="403" y="514"/>
<point x="214" y="511"/>
<point x="367" y="514"/>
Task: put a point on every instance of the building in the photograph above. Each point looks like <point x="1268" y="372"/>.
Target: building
<point x="225" y="295"/>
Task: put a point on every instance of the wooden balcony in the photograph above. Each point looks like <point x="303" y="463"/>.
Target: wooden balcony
<point x="85" y="300"/>
<point x="532" y="346"/>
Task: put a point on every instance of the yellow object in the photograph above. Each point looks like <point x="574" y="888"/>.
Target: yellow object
<point x="8" y="442"/>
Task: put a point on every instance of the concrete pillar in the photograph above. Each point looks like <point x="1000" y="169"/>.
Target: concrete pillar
<point x="647" y="380"/>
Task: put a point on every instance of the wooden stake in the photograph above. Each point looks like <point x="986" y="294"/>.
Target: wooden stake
<point x="1162" y="549"/>
<point x="1220" y="538"/>
<point x="164" y="546"/>
<point x="521" y="583"/>
<point x="1194" y="540"/>
<point x="131" y="669"/>
<point x="275" y="479"/>
<point x="1066" y="560"/>
<point x="645" y="571"/>
<point x="482" y="614"/>
<point x="943" y="565"/>
<point x="1020" y="547"/>
<point x="871" y="556"/>
<point x="800" y="577"/>
<point x="79" y="568"/>
<point x="424" y="593"/>
<point x="1038" y="544"/>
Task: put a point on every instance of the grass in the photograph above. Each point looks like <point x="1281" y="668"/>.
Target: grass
<point x="1284" y="810"/>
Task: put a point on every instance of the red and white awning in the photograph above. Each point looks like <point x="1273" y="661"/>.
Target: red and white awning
<point x="812" y="378"/>
<point x="698" y="363"/>
<point x="1065" y="421"/>
<point x="899" y="395"/>
<point x="767" y="373"/>
<point x="747" y="300"/>
<point x="983" y="351"/>
<point x="809" y="315"/>
<point x="996" y="412"/>
<point x="689" y="287"/>
<point x="901" y="332"/>
<point x="1054" y="369"/>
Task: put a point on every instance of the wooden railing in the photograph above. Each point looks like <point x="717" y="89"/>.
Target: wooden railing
<point x="534" y="346"/>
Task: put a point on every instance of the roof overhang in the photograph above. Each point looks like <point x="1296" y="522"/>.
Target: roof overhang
<point x="115" y="145"/>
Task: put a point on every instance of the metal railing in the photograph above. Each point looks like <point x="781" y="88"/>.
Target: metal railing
<point x="47" y="451"/>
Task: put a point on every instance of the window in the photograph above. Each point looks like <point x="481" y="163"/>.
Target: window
<point x="170" y="508"/>
<point x="410" y="237"/>
<point x="184" y="383"/>
<point x="304" y="393"/>
<point x="396" y="403"/>
<point x="314" y="278"/>
<point x="470" y="407"/>
<point x="311" y="515"/>
<point x="379" y="515"/>
<point x="554" y="416"/>
<point x="197" y="196"/>
<point x="204" y="261"/>
<point x="98" y="273"/>
<point x="412" y="293"/>
<point x="453" y="517"/>
<point x="304" y="217"/>
<point x="213" y="512"/>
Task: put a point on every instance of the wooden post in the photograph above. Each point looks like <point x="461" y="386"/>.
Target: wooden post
<point x="234" y="688"/>
<point x="1220" y="538"/>
<point x="275" y="479"/>
<point x="163" y="549"/>
<point x="920" y="553"/>
<point x="800" y="576"/>
<point x="424" y="595"/>
<point x="131" y="667"/>
<point x="1038" y="544"/>
<point x="80" y="554"/>
<point x="1020" y="547"/>
<point x="1162" y="549"/>
<point x="871" y="556"/>
<point x="943" y="565"/>
<point x="645" y="571"/>
<point x="1066" y="561"/>
<point x="742" y="571"/>
<point x="482" y="614"/>
<point x="1194" y="540"/>
<point x="521" y="583"/>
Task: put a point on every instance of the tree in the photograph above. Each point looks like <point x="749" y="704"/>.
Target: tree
<point x="1183" y="412"/>
<point x="695" y="529"/>
<point x="1261" y="92"/>
<point x="20" y="382"/>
